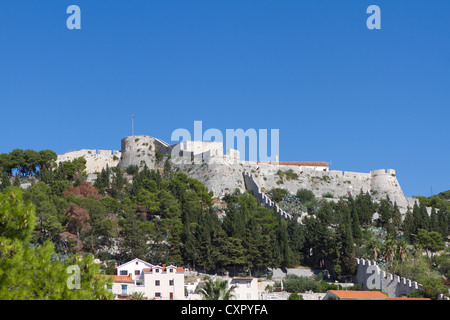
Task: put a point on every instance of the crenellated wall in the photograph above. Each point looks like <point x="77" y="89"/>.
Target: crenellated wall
<point x="370" y="276"/>
<point x="251" y="185"/>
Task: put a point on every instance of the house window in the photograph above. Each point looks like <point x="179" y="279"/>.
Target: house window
<point x="124" y="272"/>
<point x="137" y="272"/>
<point x="158" y="294"/>
<point x="249" y="284"/>
<point x="156" y="282"/>
<point x="170" y="270"/>
<point x="170" y="282"/>
<point x="249" y="296"/>
<point x="124" y="289"/>
<point x="156" y="270"/>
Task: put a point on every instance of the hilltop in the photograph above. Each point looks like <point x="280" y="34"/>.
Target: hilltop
<point x="222" y="172"/>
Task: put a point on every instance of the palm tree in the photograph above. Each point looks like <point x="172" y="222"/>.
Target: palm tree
<point x="388" y="250"/>
<point x="402" y="250"/>
<point x="217" y="290"/>
<point x="375" y="246"/>
<point x="137" y="296"/>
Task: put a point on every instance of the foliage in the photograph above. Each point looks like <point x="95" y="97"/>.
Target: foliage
<point x="137" y="296"/>
<point x="217" y="290"/>
<point x="27" y="271"/>
<point x="169" y="217"/>
<point x="26" y="162"/>
<point x="295" y="296"/>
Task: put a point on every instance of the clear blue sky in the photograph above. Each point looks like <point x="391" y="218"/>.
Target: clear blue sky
<point x="337" y="91"/>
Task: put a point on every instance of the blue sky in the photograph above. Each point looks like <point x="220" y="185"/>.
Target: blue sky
<point x="337" y="91"/>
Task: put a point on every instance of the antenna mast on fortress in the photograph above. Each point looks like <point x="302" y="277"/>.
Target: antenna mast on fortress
<point x="132" y="125"/>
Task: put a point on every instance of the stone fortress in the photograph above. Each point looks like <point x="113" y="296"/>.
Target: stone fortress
<point x="224" y="172"/>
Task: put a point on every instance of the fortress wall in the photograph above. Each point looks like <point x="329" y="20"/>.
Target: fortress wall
<point x="199" y="147"/>
<point x="337" y="173"/>
<point x="138" y="150"/>
<point x="251" y="185"/>
<point x="233" y="154"/>
<point x="361" y="175"/>
<point x="370" y="276"/>
<point x="163" y="147"/>
<point x="72" y="155"/>
<point x="384" y="183"/>
<point x="96" y="160"/>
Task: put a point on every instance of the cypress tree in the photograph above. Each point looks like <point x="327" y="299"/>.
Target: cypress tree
<point x="424" y="218"/>
<point x="345" y="240"/>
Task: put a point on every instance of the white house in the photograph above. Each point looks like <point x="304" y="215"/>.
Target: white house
<point x="156" y="282"/>
<point x="133" y="269"/>
<point x="246" y="288"/>
<point x="122" y="286"/>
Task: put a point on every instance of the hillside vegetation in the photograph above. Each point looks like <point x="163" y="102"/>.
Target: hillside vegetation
<point x="164" y="216"/>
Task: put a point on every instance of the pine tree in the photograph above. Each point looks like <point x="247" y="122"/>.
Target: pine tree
<point x="296" y="241"/>
<point x="28" y="272"/>
<point x="134" y="241"/>
<point x="5" y="181"/>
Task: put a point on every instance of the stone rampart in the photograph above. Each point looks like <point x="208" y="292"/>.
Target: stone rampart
<point x="96" y="160"/>
<point x="222" y="173"/>
<point x="370" y="276"/>
<point x="251" y="185"/>
<point x="138" y="150"/>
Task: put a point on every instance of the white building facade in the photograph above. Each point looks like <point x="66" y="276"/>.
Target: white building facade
<point x="246" y="288"/>
<point x="154" y="281"/>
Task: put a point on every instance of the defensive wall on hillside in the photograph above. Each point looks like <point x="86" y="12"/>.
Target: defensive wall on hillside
<point x="370" y="276"/>
<point x="96" y="160"/>
<point x="222" y="173"/>
<point x="262" y="197"/>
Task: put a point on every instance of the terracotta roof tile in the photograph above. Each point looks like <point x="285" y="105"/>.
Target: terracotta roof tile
<point x="406" y="298"/>
<point x="355" y="294"/>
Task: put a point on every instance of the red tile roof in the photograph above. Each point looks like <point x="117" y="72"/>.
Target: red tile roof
<point x="356" y="294"/>
<point x="406" y="298"/>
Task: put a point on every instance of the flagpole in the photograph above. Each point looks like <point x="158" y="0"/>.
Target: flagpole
<point x="132" y="125"/>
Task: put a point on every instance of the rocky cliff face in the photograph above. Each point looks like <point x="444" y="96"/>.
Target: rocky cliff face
<point x="223" y="178"/>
